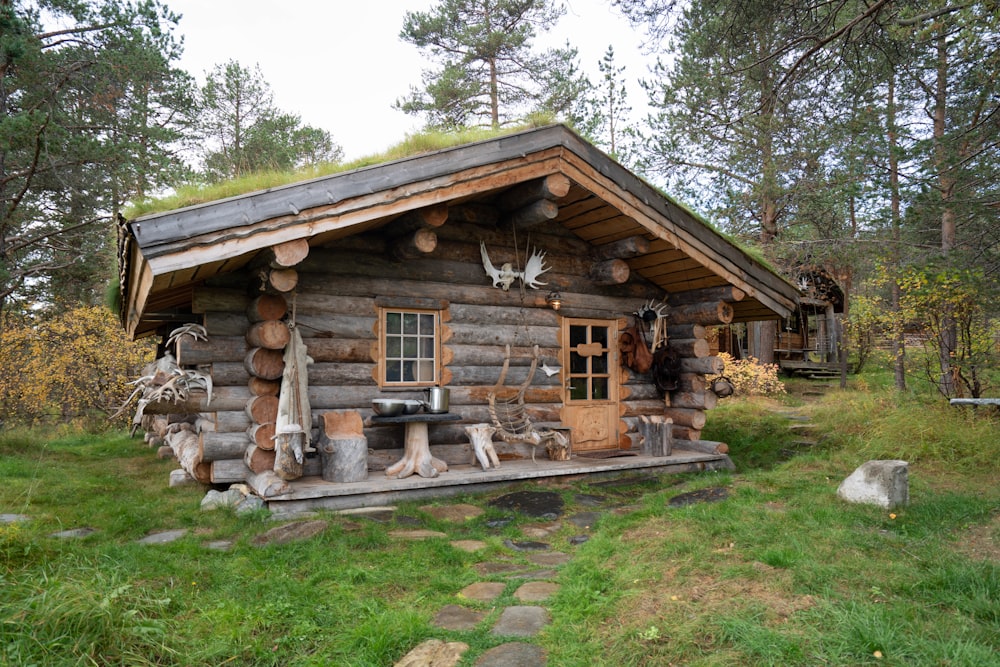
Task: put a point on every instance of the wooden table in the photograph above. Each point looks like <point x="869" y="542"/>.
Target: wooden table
<point x="416" y="450"/>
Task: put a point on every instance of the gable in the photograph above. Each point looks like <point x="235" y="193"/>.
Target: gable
<point x="165" y="256"/>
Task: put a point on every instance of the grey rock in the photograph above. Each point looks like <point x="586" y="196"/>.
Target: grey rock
<point x="291" y="532"/>
<point x="549" y="558"/>
<point x="536" y="591"/>
<point x="884" y="483"/>
<point x="585" y="520"/>
<point x="250" y="504"/>
<point x="455" y="617"/>
<point x="521" y="621"/>
<point x="74" y="533"/>
<point x="483" y="591"/>
<point x="219" y="545"/>
<point x="164" y="537"/>
<point x="526" y="546"/>
<point x="434" y="653"/>
<point x="577" y="540"/>
<point x="14" y="518"/>
<point x="512" y="654"/>
<point x="215" y="499"/>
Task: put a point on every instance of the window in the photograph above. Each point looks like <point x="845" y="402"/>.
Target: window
<point x="409" y="346"/>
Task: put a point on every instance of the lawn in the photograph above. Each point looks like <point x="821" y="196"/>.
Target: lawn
<point x="779" y="573"/>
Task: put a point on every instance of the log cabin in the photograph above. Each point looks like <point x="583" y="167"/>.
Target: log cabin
<point x="527" y="275"/>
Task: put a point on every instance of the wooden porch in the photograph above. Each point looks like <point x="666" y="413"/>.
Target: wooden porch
<point x="311" y="492"/>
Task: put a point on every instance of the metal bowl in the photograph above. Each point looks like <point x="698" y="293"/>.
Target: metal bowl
<point x="388" y="407"/>
<point x="412" y="407"/>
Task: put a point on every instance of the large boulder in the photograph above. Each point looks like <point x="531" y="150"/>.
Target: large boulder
<point x="882" y="483"/>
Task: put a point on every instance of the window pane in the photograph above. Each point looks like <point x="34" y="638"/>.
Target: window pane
<point x="409" y="371"/>
<point x="393" y="371"/>
<point x="599" y="364"/>
<point x="393" y="323"/>
<point x="600" y="388"/>
<point x="410" y="323"/>
<point x="578" y="389"/>
<point x="599" y="335"/>
<point x="426" y="324"/>
<point x="393" y="347"/>
<point x="427" y="348"/>
<point x="577" y="335"/>
<point x="410" y="348"/>
<point x="577" y="364"/>
<point x="425" y="371"/>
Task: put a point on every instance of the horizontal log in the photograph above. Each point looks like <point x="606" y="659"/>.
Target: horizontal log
<point x="610" y="272"/>
<point x="267" y="307"/>
<point x="646" y="407"/>
<point x="229" y="471"/>
<point x="282" y="281"/>
<point x="686" y="330"/>
<point x="262" y="409"/>
<point x="533" y="214"/>
<point x="508" y="334"/>
<point x="723" y="293"/>
<point x="553" y="186"/>
<point x="218" y="446"/>
<point x="262" y="387"/>
<point x="709" y="312"/>
<point x="269" y="334"/>
<point x="231" y="373"/>
<point x="412" y="246"/>
<point x="633" y="246"/>
<point x="258" y="460"/>
<point x="686" y="433"/>
<point x="267" y="484"/>
<point x="690" y="347"/>
<point x="263" y="363"/>
<point x="705" y="366"/>
<point x="231" y="421"/>
<point x="703" y="446"/>
<point x="686" y="417"/>
<point x="261" y="436"/>
<point x="493" y="355"/>
<point x="223" y="398"/>
<point x="474" y="212"/>
<point x="288" y="254"/>
<point x="699" y="400"/>
<point x="691" y="382"/>
<point x="192" y="352"/>
<point x="339" y="350"/>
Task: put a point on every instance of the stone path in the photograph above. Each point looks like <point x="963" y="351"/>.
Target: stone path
<point x="514" y="619"/>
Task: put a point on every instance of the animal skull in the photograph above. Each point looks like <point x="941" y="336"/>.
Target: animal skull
<point x="505" y="276"/>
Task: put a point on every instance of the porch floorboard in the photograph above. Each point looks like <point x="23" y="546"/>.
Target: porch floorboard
<point x="314" y="493"/>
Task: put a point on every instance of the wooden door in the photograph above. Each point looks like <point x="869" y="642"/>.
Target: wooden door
<point x="590" y="383"/>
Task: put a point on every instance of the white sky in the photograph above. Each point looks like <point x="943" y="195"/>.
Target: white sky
<point x="340" y="64"/>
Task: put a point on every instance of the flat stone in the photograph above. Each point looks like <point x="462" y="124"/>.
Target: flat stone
<point x="216" y="499"/>
<point x="499" y="523"/>
<point x="482" y="591"/>
<point x="577" y="540"/>
<point x="712" y="495"/>
<point x="180" y="478"/>
<point x="539" y="532"/>
<point x="590" y="500"/>
<point x="540" y="504"/>
<point x="512" y="654"/>
<point x="74" y="533"/>
<point x="292" y="532"/>
<point x="536" y="574"/>
<point x="410" y="521"/>
<point x="536" y="591"/>
<point x="585" y="520"/>
<point x="457" y="513"/>
<point x="470" y="546"/>
<point x="526" y="546"/>
<point x="14" y="518"/>
<point x="434" y="653"/>
<point x="219" y="545"/>
<point x="381" y="514"/>
<point x="164" y="537"/>
<point x="521" y="621"/>
<point x="455" y="617"/>
<point x="488" y="569"/>
<point x="549" y="558"/>
<point x="416" y="534"/>
<point x="882" y="483"/>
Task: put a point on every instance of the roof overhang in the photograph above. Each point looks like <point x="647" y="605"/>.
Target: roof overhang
<point x="166" y="255"/>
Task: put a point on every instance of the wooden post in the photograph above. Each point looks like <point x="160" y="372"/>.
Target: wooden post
<point x="610" y="272"/>
<point x="632" y="246"/>
<point x="269" y="334"/>
<point x="421" y="242"/>
<point x="343" y="447"/>
<point x="656" y="435"/>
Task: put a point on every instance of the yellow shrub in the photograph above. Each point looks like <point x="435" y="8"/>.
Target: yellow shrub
<point x="73" y="366"/>
<point x="750" y="377"/>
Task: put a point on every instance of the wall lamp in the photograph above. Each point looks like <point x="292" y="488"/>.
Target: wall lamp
<point x="554" y="300"/>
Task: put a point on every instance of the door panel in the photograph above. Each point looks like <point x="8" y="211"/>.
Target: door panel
<point x="590" y="387"/>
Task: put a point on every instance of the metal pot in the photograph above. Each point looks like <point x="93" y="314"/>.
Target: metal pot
<point x="437" y="400"/>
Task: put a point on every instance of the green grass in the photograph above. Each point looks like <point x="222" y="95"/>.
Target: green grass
<point x="779" y="573"/>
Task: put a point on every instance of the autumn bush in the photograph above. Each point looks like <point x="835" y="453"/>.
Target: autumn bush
<point x="750" y="377"/>
<point x="71" y="366"/>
